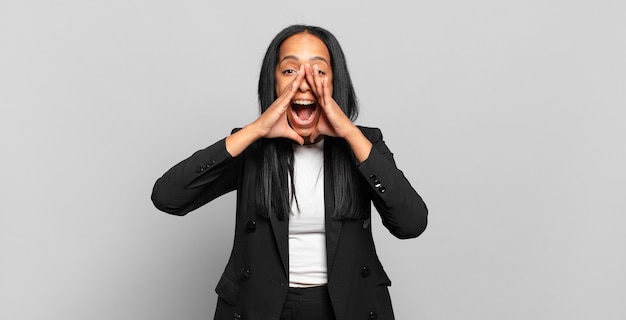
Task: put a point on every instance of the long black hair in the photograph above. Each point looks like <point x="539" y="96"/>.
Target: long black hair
<point x="275" y="164"/>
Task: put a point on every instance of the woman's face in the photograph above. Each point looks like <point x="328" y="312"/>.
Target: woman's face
<point x="295" y="51"/>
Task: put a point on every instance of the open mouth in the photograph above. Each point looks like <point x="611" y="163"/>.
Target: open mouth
<point x="303" y="111"/>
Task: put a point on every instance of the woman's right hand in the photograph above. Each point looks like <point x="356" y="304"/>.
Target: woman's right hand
<point x="271" y="124"/>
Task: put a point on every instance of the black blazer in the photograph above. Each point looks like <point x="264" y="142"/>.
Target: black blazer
<point x="255" y="281"/>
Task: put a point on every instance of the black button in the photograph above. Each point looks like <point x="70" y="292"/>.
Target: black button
<point x="245" y="274"/>
<point x="237" y="316"/>
<point x="378" y="185"/>
<point x="365" y="272"/>
<point x="382" y="189"/>
<point x="251" y="226"/>
<point x="373" y="177"/>
<point x="366" y="223"/>
<point x="372" y="316"/>
<point x="199" y="169"/>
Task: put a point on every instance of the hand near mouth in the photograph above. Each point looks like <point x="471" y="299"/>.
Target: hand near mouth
<point x="333" y="121"/>
<point x="271" y="124"/>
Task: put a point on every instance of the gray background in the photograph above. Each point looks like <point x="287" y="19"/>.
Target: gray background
<point x="507" y="116"/>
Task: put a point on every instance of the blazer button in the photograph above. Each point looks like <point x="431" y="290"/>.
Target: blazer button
<point x="237" y="316"/>
<point x="366" y="223"/>
<point x="373" y="177"/>
<point x="251" y="226"/>
<point x="199" y="169"/>
<point x="245" y="274"/>
<point x="382" y="189"/>
<point x="365" y="272"/>
<point x="372" y="316"/>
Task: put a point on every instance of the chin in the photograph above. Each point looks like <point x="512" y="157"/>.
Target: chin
<point x="304" y="132"/>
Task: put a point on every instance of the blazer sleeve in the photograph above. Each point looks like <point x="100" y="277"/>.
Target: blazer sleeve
<point x="401" y="208"/>
<point x="204" y="176"/>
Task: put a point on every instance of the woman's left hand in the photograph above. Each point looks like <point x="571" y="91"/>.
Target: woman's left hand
<point x="333" y="121"/>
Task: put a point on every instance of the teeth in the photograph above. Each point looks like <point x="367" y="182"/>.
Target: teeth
<point x="303" y="102"/>
<point x="306" y="113"/>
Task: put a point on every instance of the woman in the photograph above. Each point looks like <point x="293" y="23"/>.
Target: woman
<point x="305" y="177"/>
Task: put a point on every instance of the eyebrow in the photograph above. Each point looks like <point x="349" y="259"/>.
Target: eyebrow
<point x="293" y="57"/>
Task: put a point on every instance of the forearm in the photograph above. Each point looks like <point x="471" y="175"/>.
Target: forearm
<point x="402" y="209"/>
<point x="202" y="177"/>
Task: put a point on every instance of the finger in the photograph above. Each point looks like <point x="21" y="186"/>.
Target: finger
<point x="326" y="89"/>
<point x="283" y="101"/>
<point x="316" y="133"/>
<point x="293" y="86"/>
<point x="309" y="77"/>
<point x="318" y="78"/>
<point x="318" y="84"/>
<point x="290" y="134"/>
<point x="287" y="131"/>
<point x="325" y="86"/>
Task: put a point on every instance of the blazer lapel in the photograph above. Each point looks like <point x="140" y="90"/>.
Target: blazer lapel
<point x="281" y="235"/>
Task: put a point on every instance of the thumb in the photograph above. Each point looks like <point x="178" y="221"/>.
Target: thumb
<point x="314" y="135"/>
<point x="290" y="134"/>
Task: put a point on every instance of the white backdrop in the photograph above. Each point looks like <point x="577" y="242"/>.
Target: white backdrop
<point x="507" y="117"/>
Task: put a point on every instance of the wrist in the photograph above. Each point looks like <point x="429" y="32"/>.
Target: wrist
<point x="353" y="133"/>
<point x="360" y="145"/>
<point x="254" y="131"/>
<point x="237" y="142"/>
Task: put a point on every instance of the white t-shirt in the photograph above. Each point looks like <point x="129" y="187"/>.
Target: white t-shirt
<point x="307" y="231"/>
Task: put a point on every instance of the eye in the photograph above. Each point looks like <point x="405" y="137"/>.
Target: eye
<point x="290" y="71"/>
<point x="321" y="73"/>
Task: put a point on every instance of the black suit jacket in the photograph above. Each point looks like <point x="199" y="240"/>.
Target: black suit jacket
<point x="255" y="281"/>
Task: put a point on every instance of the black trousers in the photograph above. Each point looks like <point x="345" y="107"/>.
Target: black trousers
<point x="308" y="304"/>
